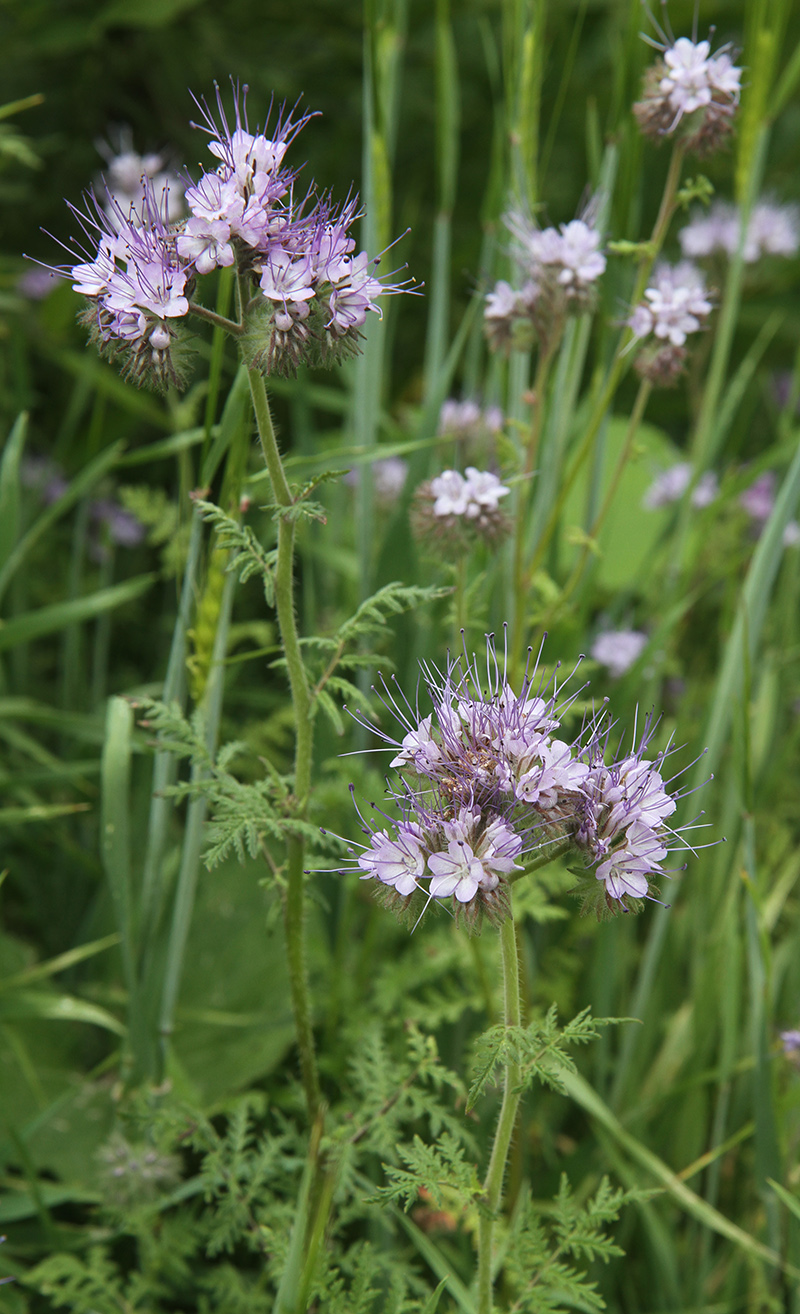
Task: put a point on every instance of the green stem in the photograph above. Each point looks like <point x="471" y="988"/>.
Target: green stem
<point x="619" y="363"/>
<point x="293" y="912"/>
<point x="493" y="1185"/>
<point x="550" y="855"/>
<point x="525" y="501"/>
<point x="639" y="407"/>
<point x="219" y="321"/>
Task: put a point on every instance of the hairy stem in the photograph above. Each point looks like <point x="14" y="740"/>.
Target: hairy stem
<point x="219" y="321"/>
<point x="294" y="902"/>
<point x="493" y="1185"/>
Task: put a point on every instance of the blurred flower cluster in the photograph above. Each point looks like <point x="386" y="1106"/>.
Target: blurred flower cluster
<point x="691" y="91"/>
<point x="452" y="511"/>
<point x="772" y="230"/>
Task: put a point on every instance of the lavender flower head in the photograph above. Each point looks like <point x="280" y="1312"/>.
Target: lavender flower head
<point x="453" y="511"/>
<point x="689" y="92"/>
<point x="560" y="267"/>
<point x="772" y="230"/>
<point x="486" y="784"/>
<point x="675" y="305"/>
<point x="307" y="291"/>
<point x="759" y="500"/>
<point x="671" y="484"/>
<point x="617" y="650"/>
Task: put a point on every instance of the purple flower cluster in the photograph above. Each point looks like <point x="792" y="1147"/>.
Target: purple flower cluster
<point x="306" y="292"/>
<point x="675" y="305"/>
<point x="772" y="230"/>
<point x="561" y="268"/>
<point x="485" y="782"/>
<point x="690" y="89"/>
<point x="452" y="511"/>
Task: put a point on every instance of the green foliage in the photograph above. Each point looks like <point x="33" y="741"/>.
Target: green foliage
<point x="438" y="1170"/>
<point x="540" y="1050"/>
<point x="243" y="816"/>
<point x="248" y="555"/>
<point x="544" y="1239"/>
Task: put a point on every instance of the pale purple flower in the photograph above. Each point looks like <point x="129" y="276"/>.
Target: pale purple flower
<point x="395" y="860"/>
<point x="689" y="83"/>
<point x="671" y="484"/>
<point x="773" y="229"/>
<point x="476" y="857"/>
<point x="129" y="177"/>
<point x="790" y="1041"/>
<point x="759" y="499"/>
<point x="485" y="782"/>
<point x="450" y="491"/>
<point x="579" y="255"/>
<point x="467" y="419"/>
<point x="623" y="823"/>
<point x="617" y="650"/>
<point x="483" y="491"/>
<point x="501" y="302"/>
<point x="123" y="527"/>
<point x="676" y="304"/>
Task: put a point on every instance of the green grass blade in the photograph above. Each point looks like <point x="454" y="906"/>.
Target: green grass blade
<point x="692" y="1204"/>
<point x="114" y="818"/>
<point x="59" y="964"/>
<point x="9" y="487"/>
<point x="47" y="620"/>
<point x="78" y="488"/>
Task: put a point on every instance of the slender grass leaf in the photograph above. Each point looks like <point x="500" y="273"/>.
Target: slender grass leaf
<point x="59" y="964"/>
<point x="9" y="486"/>
<point x="48" y="620"/>
<point x="115" y="810"/>
<point x="580" y="1090"/>
<point x="39" y="812"/>
<point x="24" y="1004"/>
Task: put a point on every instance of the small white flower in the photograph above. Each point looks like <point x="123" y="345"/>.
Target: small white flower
<point x="617" y="650"/>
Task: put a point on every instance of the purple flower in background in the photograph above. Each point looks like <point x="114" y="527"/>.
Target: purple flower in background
<point x="790" y="1041"/>
<point x="122" y="526"/>
<point x="772" y="229"/>
<point x="388" y="478"/>
<point x="675" y="305"/>
<point x="759" y="500"/>
<point x="671" y="484"/>
<point x="617" y="650"/>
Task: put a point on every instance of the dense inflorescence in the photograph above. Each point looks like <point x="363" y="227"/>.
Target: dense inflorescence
<point x="691" y="93"/>
<point x="486" y="784"/>
<point x="305" y="291"/>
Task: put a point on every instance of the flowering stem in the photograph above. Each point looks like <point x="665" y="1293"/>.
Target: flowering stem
<point x="493" y="1184"/>
<point x="619" y="363"/>
<point x="293" y="911"/>
<point x="220" y="321"/>
<point x="523" y="506"/>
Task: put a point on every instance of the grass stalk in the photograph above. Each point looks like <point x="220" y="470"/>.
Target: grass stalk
<point x="493" y="1183"/>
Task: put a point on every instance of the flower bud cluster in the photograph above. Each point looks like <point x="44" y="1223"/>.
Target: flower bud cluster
<point x="675" y="305"/>
<point x="691" y="92"/>
<point x="451" y="512"/>
<point x="486" y="782"/>
<point x="561" y="268"/>
<point x="306" y="290"/>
